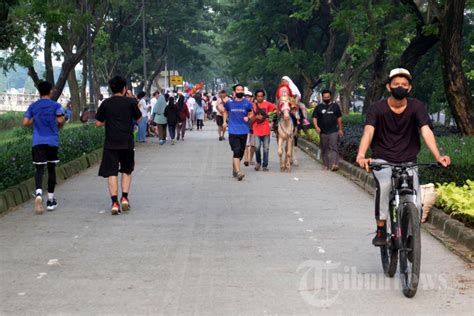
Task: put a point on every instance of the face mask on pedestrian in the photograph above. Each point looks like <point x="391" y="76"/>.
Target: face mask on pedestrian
<point x="399" y="93"/>
<point x="327" y="101"/>
<point x="239" y="95"/>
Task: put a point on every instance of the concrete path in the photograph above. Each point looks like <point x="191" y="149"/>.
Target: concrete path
<point x="199" y="242"/>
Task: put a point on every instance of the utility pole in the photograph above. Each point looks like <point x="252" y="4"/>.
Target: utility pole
<point x="144" y="49"/>
<point x="91" y="104"/>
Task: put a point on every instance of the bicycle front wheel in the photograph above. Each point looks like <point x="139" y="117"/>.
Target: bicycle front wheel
<point x="389" y="256"/>
<point x="410" y="252"/>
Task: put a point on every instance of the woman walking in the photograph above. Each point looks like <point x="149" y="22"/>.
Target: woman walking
<point x="183" y="117"/>
<point x="142" y="126"/>
<point x="172" y="117"/>
<point x="199" y="110"/>
<point x="160" y="118"/>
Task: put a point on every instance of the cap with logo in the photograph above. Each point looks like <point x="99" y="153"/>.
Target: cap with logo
<point x="397" y="72"/>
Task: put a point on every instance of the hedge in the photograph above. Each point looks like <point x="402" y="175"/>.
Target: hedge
<point x="15" y="156"/>
<point x="10" y="120"/>
<point x="460" y="149"/>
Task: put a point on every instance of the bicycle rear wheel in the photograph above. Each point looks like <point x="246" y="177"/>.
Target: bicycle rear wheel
<point x="410" y="252"/>
<point x="389" y="257"/>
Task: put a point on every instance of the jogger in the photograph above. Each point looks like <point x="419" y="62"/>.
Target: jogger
<point x="46" y="116"/>
<point x="117" y="114"/>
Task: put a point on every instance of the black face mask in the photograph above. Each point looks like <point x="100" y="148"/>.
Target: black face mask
<point x="399" y="93"/>
<point x="327" y="101"/>
<point x="239" y="95"/>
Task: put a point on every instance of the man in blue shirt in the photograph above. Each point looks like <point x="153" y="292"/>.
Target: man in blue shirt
<point x="46" y="116"/>
<point x="239" y="112"/>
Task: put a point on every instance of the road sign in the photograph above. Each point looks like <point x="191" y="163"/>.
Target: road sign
<point x="176" y="80"/>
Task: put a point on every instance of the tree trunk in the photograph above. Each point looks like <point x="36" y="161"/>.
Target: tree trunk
<point x="83" y="88"/>
<point x="33" y="75"/>
<point x="48" y="58"/>
<point x="345" y="98"/>
<point x="75" y="98"/>
<point x="376" y="87"/>
<point x="458" y="93"/>
<point x="70" y="62"/>
<point x="96" y="86"/>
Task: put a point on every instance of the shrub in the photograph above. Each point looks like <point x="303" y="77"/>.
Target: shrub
<point x="461" y="151"/>
<point x="15" y="156"/>
<point x="349" y="144"/>
<point x="310" y="135"/>
<point x="353" y="119"/>
<point x="458" y="201"/>
<point x="10" y="120"/>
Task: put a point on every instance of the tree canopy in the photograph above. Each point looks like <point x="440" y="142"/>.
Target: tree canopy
<point x="346" y="45"/>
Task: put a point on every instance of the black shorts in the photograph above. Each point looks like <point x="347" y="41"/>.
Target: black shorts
<point x="237" y="144"/>
<point x="43" y="154"/>
<point x="219" y="120"/>
<point x="115" y="161"/>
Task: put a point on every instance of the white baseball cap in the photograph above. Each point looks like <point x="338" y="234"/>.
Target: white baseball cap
<point x="399" y="72"/>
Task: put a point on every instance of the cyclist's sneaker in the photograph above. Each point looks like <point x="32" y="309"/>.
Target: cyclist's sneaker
<point x="51" y="205"/>
<point x="380" y="238"/>
<point x="125" y="204"/>
<point x="39" y="209"/>
<point x="115" y="208"/>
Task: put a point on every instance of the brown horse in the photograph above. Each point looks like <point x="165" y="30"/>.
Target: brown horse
<point x="286" y="134"/>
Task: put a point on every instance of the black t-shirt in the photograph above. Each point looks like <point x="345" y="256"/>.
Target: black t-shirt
<point x="327" y="115"/>
<point x="118" y="114"/>
<point x="397" y="136"/>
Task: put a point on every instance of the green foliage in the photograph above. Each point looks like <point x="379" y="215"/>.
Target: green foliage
<point x="461" y="151"/>
<point x="15" y="156"/>
<point x="311" y="135"/>
<point x="353" y="119"/>
<point x="10" y="120"/>
<point x="458" y="201"/>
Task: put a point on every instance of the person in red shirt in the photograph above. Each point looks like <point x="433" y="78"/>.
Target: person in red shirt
<point x="261" y="128"/>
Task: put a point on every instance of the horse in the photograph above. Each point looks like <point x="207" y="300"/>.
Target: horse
<point x="286" y="134"/>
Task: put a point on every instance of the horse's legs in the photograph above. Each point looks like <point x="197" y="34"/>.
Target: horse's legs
<point x="289" y="151"/>
<point x="280" y="153"/>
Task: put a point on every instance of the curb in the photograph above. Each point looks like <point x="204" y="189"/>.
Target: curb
<point x="456" y="231"/>
<point x="22" y="192"/>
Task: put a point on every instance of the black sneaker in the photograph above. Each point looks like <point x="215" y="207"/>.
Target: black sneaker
<point x="380" y="238"/>
<point x="234" y="174"/>
<point x="51" y="205"/>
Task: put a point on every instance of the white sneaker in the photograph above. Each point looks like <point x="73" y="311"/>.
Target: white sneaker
<point x="39" y="209"/>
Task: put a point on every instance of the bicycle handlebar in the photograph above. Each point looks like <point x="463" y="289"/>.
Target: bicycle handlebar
<point x="378" y="166"/>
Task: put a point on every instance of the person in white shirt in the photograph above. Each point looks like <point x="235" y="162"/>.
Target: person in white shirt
<point x="190" y="104"/>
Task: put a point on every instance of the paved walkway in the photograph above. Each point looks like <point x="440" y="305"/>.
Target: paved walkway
<point x="199" y="242"/>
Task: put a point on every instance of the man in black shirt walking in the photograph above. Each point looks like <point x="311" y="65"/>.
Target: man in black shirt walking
<point x="392" y="128"/>
<point x="327" y="120"/>
<point x="118" y="113"/>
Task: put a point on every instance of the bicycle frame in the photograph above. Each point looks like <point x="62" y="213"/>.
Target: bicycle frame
<point x="402" y="192"/>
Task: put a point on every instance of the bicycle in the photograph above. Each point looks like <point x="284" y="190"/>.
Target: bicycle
<point x="404" y="239"/>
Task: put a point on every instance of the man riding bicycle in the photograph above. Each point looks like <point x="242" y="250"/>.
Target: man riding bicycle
<point x="392" y="129"/>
